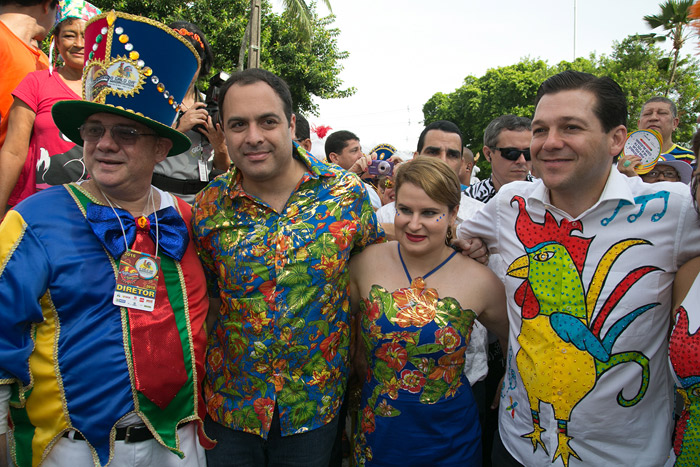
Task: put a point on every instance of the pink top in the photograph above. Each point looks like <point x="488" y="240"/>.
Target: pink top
<point x="51" y="159"/>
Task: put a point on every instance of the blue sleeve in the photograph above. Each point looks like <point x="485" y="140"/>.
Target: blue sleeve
<point x="24" y="272"/>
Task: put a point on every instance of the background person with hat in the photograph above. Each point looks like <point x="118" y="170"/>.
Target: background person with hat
<point x="35" y="155"/>
<point x="669" y="169"/>
<point x="102" y="349"/>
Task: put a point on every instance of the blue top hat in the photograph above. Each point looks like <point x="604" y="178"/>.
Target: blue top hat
<point x="137" y="68"/>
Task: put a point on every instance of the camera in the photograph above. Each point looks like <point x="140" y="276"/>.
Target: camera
<point x="211" y="98"/>
<point x="381" y="168"/>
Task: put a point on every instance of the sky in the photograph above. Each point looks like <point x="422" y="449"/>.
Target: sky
<point x="403" y="52"/>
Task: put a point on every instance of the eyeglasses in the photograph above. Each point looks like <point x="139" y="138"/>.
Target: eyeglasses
<point x="122" y="135"/>
<point x="387" y="183"/>
<point x="667" y="173"/>
<point x="513" y="154"/>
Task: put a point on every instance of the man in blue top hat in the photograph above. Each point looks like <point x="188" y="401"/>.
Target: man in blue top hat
<point x="103" y="296"/>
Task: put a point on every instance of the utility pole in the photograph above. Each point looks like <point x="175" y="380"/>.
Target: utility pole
<point x="574" y="30"/>
<point x="254" y="42"/>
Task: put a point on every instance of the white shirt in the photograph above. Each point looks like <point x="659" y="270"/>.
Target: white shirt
<point x="476" y="364"/>
<point x="374" y="198"/>
<point x="661" y="219"/>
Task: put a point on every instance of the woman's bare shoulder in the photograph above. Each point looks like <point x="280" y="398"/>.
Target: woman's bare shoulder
<point x="685" y="277"/>
<point x="371" y="254"/>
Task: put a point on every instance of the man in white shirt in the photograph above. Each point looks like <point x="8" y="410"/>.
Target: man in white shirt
<point x="441" y="139"/>
<point x="590" y="255"/>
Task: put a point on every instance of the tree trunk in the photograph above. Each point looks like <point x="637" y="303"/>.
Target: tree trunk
<point x="244" y="46"/>
<point x="254" y="34"/>
<point x="674" y="64"/>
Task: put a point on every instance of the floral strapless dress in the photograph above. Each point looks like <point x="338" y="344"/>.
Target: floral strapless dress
<point x="684" y="354"/>
<point x="417" y="407"/>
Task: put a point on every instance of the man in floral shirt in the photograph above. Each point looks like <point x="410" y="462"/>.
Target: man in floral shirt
<point x="275" y="235"/>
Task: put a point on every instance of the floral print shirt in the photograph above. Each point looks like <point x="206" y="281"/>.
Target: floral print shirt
<point x="282" y="332"/>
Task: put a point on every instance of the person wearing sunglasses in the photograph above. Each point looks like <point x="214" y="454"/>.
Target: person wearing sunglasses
<point x="507" y="148"/>
<point x="103" y="295"/>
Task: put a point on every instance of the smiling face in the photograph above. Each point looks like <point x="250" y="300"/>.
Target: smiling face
<point x="71" y="42"/>
<point x="123" y="168"/>
<point x="571" y="152"/>
<point x="258" y="135"/>
<point x="421" y="223"/>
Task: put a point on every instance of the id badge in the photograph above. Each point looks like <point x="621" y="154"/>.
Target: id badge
<point x="203" y="171"/>
<point x="137" y="281"/>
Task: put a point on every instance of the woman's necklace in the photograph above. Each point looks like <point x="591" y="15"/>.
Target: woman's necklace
<point x="405" y="269"/>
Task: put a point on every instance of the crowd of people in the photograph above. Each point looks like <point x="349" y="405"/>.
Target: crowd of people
<point x="182" y="287"/>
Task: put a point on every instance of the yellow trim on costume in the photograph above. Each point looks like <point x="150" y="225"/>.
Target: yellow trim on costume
<point x="46" y="407"/>
<point x="11" y="233"/>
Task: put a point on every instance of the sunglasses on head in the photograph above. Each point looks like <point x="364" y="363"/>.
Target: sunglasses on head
<point x="513" y="154"/>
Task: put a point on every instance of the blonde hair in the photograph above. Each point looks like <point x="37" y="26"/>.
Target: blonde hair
<point x="433" y="176"/>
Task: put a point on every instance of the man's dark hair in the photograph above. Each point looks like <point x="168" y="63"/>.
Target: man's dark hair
<point x="665" y="100"/>
<point x="504" y="122"/>
<point x="27" y="3"/>
<point x="442" y="125"/>
<point x="257" y="75"/>
<point x="203" y="50"/>
<point x="302" y="130"/>
<point x="611" y="103"/>
<point x="337" y="141"/>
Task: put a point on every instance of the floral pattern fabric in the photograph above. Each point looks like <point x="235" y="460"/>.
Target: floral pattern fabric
<point x="416" y="398"/>
<point x="282" y="333"/>
<point x="684" y="355"/>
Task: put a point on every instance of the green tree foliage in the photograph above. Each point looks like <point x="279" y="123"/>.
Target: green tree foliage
<point x="511" y="89"/>
<point x="311" y="67"/>
<point x="674" y="19"/>
<point x="303" y="15"/>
